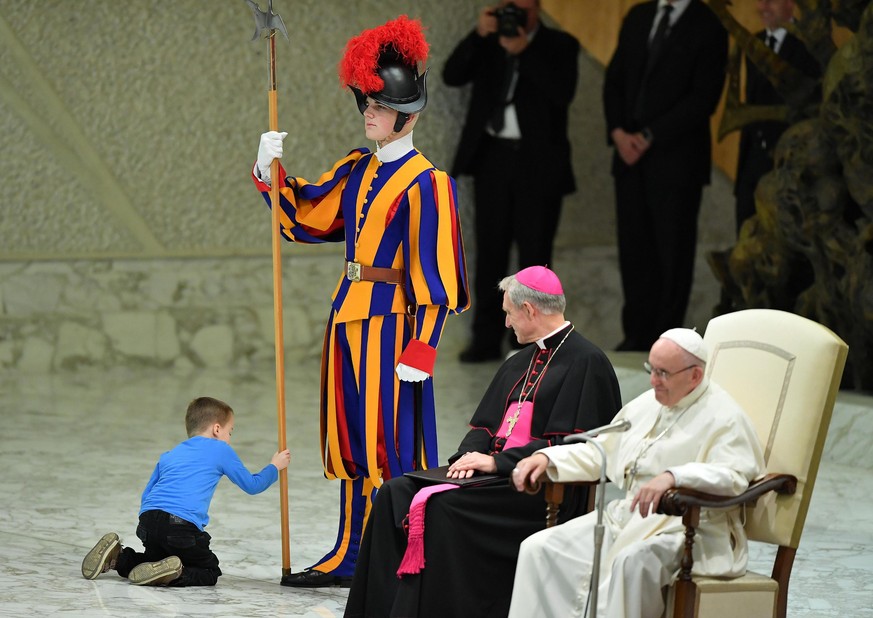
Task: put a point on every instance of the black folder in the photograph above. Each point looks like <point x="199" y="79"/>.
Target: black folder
<point x="438" y="475"/>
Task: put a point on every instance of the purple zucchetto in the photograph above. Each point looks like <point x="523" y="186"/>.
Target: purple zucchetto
<point x="541" y="279"/>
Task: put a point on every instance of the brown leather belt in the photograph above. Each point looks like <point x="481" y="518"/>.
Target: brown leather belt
<point x="359" y="272"/>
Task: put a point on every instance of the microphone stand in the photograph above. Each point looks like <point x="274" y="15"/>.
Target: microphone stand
<point x="598" y="528"/>
<point x="619" y="426"/>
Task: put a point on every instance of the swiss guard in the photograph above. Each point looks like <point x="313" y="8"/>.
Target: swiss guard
<point x="404" y="273"/>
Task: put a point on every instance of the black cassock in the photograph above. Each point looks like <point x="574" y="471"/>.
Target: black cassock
<point x="472" y="534"/>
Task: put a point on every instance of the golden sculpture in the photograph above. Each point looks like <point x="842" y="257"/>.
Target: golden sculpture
<point x="809" y="248"/>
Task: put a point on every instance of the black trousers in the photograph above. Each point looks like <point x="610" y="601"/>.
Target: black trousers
<point x="511" y="209"/>
<point x="657" y="240"/>
<point x="757" y="163"/>
<point x="165" y="535"/>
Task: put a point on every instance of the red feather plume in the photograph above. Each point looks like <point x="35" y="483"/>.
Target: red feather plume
<point x="360" y="60"/>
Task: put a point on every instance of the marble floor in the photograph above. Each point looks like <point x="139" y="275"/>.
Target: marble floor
<point x="77" y="449"/>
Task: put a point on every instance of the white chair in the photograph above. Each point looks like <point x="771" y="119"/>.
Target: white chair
<point x="785" y="371"/>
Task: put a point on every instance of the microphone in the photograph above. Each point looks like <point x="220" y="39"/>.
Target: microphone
<point x="617" y="426"/>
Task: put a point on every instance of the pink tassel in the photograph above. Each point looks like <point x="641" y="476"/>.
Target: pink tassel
<point x="413" y="558"/>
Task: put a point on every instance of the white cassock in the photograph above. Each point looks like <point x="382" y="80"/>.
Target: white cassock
<point x="709" y="444"/>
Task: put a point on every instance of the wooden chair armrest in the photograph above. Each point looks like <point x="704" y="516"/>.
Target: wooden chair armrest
<point x="551" y="486"/>
<point x="554" y="495"/>
<point x="533" y="488"/>
<point x="686" y="503"/>
<point x="678" y="500"/>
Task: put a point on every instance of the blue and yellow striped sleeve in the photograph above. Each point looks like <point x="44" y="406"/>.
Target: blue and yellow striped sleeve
<point x="436" y="264"/>
<point x="311" y="212"/>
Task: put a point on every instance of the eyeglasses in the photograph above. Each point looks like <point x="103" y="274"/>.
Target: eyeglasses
<point x="663" y="374"/>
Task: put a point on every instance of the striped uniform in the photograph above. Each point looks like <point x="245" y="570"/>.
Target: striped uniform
<point x="403" y="215"/>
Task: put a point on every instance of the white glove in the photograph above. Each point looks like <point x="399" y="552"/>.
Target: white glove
<point x="410" y="374"/>
<point x="270" y="148"/>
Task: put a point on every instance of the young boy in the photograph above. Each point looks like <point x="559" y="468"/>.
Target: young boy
<point x="175" y="503"/>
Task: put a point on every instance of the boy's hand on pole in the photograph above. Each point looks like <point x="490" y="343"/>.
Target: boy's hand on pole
<point x="281" y="459"/>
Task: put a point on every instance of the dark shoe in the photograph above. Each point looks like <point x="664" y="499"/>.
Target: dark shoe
<point x="480" y="354"/>
<point x="102" y="556"/>
<point x="158" y="573"/>
<point x="312" y="578"/>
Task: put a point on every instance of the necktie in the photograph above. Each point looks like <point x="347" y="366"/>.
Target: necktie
<point x="771" y="42"/>
<point x="654" y="49"/>
<point x="660" y="32"/>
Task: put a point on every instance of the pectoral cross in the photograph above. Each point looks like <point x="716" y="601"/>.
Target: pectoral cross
<point x="511" y="421"/>
<point x="632" y="474"/>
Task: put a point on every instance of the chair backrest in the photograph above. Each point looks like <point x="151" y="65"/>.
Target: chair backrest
<point x="785" y="371"/>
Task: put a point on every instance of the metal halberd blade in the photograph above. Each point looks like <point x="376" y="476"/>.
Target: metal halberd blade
<point x="266" y="22"/>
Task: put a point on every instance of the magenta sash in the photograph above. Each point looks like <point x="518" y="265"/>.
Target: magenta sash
<point x="413" y="558"/>
<point x="520" y="434"/>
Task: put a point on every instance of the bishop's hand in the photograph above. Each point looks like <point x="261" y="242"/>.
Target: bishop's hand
<point x="469" y="463"/>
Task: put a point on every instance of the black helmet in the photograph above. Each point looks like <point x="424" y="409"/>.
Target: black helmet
<point x="404" y="90"/>
<point x="382" y="63"/>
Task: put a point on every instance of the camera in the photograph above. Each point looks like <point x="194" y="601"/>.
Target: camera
<point x="509" y="19"/>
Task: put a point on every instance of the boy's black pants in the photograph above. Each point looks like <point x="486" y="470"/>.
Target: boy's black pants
<point x="165" y="535"/>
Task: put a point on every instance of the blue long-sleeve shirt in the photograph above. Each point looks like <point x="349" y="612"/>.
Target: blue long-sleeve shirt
<point x="185" y="478"/>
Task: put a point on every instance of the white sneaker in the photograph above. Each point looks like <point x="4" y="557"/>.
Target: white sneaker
<point x="158" y="573"/>
<point x="100" y="558"/>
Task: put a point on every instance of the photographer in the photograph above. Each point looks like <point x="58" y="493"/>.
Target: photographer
<point x="515" y="146"/>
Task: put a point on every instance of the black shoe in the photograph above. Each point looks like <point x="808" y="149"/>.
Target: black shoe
<point x="312" y="578"/>
<point x="480" y="354"/>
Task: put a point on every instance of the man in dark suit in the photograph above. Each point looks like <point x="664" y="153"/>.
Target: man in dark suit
<point x="758" y="140"/>
<point x="661" y="87"/>
<point x="515" y="145"/>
